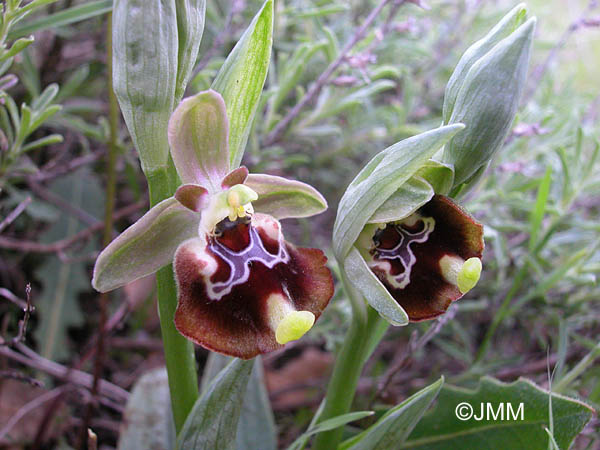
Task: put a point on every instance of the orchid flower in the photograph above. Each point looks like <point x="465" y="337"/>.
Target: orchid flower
<point x="426" y="260"/>
<point x="242" y="289"/>
<point x="402" y="242"/>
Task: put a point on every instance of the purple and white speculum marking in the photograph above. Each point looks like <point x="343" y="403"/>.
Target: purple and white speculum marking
<point x="240" y="262"/>
<point x="394" y="243"/>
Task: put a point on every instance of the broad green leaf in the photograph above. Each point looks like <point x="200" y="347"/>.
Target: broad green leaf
<point x="62" y="18"/>
<point x="198" y="133"/>
<point x="242" y="77"/>
<point x="406" y="200"/>
<point x="327" y="425"/>
<point x="379" y="179"/>
<point x="487" y="103"/>
<point x="190" y="27"/>
<point x="256" y="428"/>
<point x="145" y="57"/>
<point x="283" y="198"/>
<point x="145" y="246"/>
<point x="392" y="429"/>
<point x="147" y="420"/>
<point x="213" y="421"/>
<point x="441" y="429"/>
<point x="509" y="23"/>
<point x="361" y="276"/>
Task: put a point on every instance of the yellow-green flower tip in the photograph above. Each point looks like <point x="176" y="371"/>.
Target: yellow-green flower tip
<point x="469" y="275"/>
<point x="293" y="326"/>
<point x="240" y="195"/>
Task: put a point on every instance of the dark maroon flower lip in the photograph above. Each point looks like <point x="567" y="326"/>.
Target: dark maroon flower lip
<point x="245" y="290"/>
<point x="429" y="259"/>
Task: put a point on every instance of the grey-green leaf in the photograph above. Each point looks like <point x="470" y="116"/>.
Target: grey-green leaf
<point x="392" y="429"/>
<point x="326" y="425"/>
<point x="509" y="23"/>
<point x="441" y="429"/>
<point x="213" y="421"/>
<point x="256" y="428"/>
<point x="147" y="420"/>
<point x="145" y="59"/>
<point x="487" y="103"/>
<point x="242" y="77"/>
<point x="379" y="179"/>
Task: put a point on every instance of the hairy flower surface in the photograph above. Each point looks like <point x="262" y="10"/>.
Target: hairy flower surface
<point x="242" y="289"/>
<point x="428" y="259"/>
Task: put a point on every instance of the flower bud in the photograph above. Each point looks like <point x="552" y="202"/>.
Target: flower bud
<point x="484" y="92"/>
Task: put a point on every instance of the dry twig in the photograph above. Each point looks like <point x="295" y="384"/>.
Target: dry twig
<point x="414" y="345"/>
<point x="64" y="244"/>
<point x="14" y="213"/>
<point x="27" y="310"/>
<point x="29" y="358"/>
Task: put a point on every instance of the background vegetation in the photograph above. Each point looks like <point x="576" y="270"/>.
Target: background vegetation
<point x="534" y="314"/>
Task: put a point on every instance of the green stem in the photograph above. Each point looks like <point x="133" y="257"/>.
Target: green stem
<point x="179" y="352"/>
<point x="365" y="332"/>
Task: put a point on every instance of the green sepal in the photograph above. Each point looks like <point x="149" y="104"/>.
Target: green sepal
<point x="379" y="179"/>
<point x="376" y="294"/>
<point x="198" y="132"/>
<point x="406" y="200"/>
<point x="283" y="198"/>
<point x="145" y="246"/>
<point x="439" y="175"/>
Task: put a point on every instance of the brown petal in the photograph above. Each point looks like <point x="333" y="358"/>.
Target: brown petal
<point x="224" y="308"/>
<point x="192" y="196"/>
<point x="237" y="176"/>
<point x="427" y="293"/>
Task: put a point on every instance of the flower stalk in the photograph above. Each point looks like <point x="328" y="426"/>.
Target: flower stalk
<point x="179" y="352"/>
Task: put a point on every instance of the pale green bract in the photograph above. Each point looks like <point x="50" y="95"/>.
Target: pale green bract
<point x="509" y="23"/>
<point x="484" y="93"/>
<point x="242" y="77"/>
<point x="145" y="74"/>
